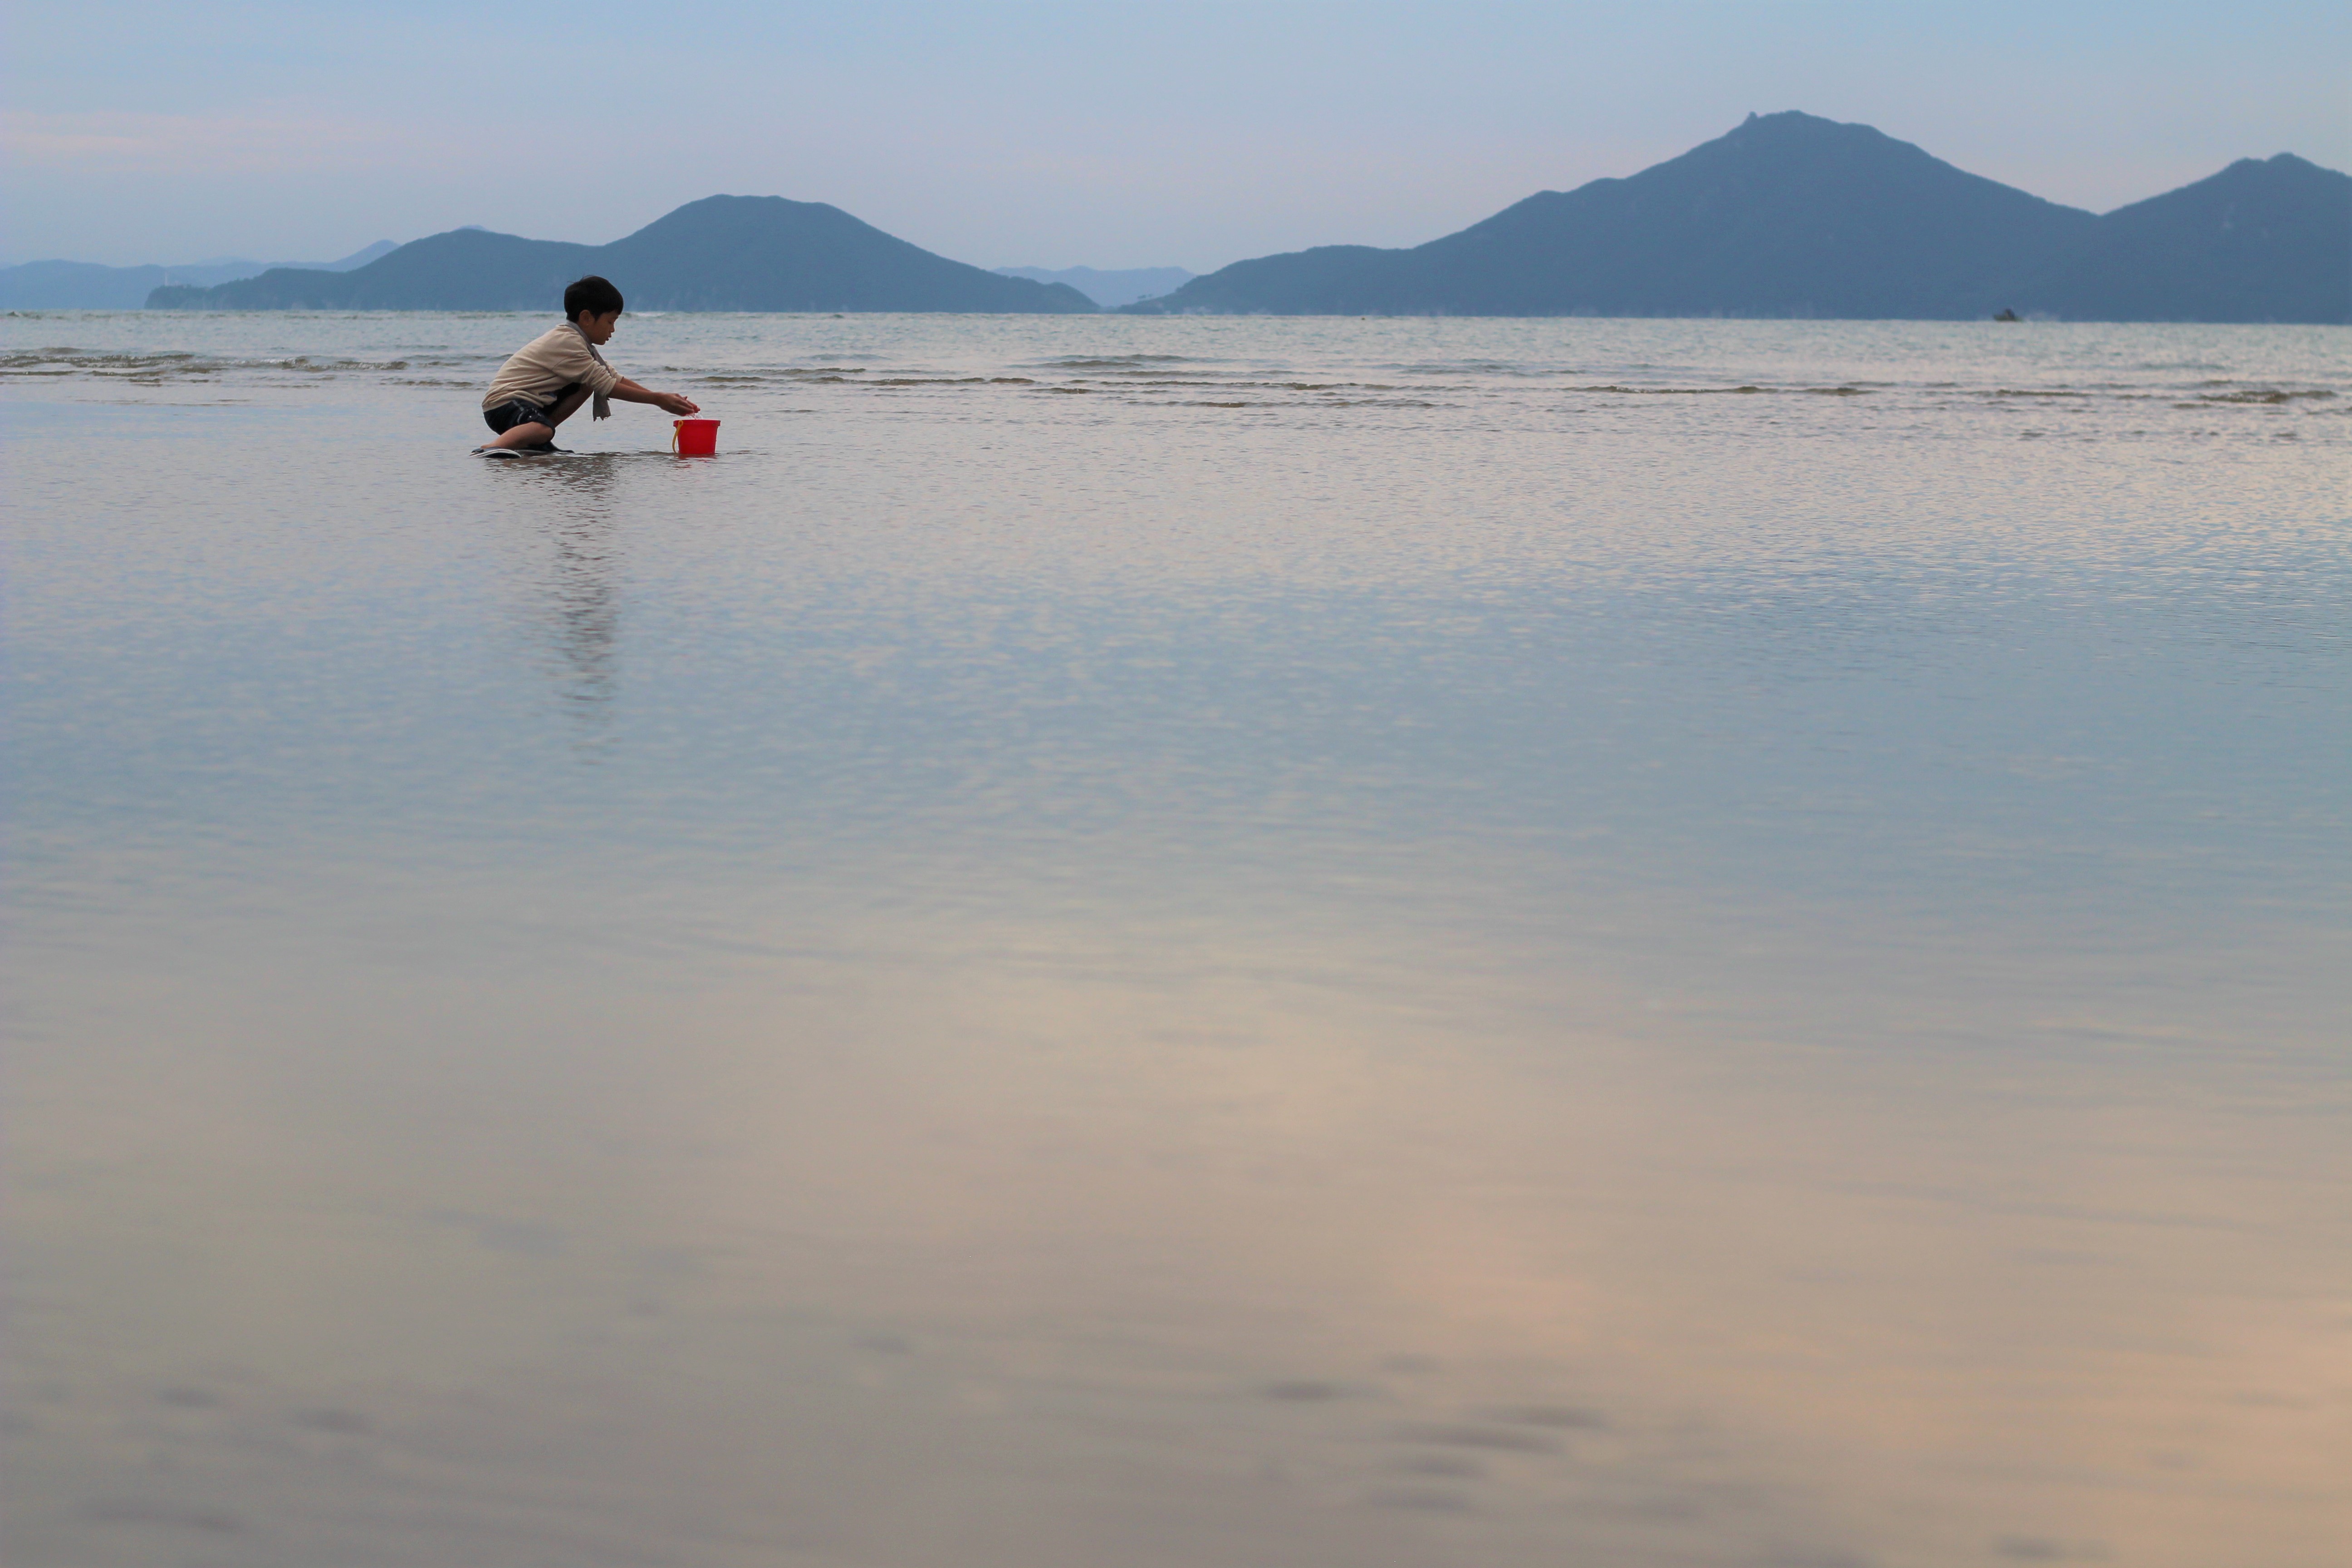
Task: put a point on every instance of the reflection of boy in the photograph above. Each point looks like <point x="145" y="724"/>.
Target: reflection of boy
<point x="547" y="380"/>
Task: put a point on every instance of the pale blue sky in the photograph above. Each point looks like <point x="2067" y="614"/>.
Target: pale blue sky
<point x="1110" y="134"/>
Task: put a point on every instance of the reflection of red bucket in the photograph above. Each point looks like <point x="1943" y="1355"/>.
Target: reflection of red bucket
<point x="695" y="438"/>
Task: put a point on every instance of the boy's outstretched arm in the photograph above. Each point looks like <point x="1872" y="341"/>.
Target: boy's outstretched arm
<point x="628" y="391"/>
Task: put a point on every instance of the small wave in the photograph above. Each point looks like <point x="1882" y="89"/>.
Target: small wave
<point x="1676" y="391"/>
<point x="1745" y="390"/>
<point x="306" y="363"/>
<point x="2265" y="395"/>
<point x="788" y="372"/>
<point x="176" y="362"/>
<point x="1238" y="384"/>
<point x="88" y="357"/>
<point x="1476" y="367"/>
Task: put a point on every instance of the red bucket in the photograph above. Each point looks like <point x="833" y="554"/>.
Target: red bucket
<point x="695" y="438"/>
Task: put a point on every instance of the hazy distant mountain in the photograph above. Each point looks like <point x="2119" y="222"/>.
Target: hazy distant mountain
<point x="1109" y="289"/>
<point x="1793" y="216"/>
<point x="86" y="285"/>
<point x="1787" y="215"/>
<point x="2257" y="242"/>
<point x="723" y="253"/>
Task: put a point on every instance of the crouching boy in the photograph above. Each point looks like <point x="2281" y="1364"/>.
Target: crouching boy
<point x="546" y="382"/>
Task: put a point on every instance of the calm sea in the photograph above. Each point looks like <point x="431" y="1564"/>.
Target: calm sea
<point x="1182" y="944"/>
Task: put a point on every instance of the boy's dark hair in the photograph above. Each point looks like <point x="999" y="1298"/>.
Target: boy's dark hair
<point x="591" y="294"/>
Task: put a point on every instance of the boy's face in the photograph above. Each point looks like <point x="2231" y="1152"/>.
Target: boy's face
<point x="599" y="328"/>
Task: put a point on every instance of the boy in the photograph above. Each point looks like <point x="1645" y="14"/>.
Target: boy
<point x="545" y="382"/>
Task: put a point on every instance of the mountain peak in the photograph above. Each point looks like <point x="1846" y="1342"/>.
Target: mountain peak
<point x="1786" y="123"/>
<point x="2266" y="239"/>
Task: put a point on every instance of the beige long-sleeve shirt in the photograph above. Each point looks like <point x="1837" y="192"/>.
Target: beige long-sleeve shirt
<point x="560" y="357"/>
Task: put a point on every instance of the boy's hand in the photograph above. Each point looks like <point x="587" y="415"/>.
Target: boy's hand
<point x="671" y="403"/>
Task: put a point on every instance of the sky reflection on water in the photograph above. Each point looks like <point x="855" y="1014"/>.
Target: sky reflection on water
<point x="1441" y="967"/>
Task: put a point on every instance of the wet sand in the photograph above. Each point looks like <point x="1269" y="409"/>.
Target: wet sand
<point x="1464" y="971"/>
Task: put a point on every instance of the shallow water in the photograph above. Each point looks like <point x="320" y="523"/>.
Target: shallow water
<point x="1180" y="941"/>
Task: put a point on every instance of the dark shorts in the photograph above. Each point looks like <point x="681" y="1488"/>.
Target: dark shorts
<point x="523" y="411"/>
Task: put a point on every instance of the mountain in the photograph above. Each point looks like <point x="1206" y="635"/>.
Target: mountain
<point x="86" y="285"/>
<point x="723" y="253"/>
<point x="1108" y="289"/>
<point x="2261" y="241"/>
<point x="1789" y="215"/>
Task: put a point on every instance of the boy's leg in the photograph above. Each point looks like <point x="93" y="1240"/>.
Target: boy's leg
<point x="540" y="432"/>
<point x="532" y="435"/>
<point x="568" y="403"/>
